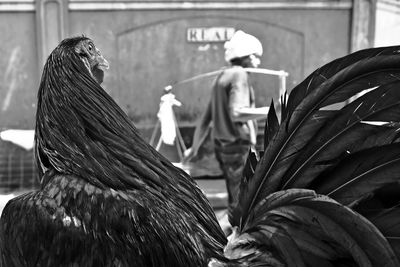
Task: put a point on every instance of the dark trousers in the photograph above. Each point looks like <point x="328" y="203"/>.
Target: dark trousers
<point x="232" y="160"/>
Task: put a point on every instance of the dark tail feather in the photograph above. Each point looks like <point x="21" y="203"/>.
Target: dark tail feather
<point x="271" y="125"/>
<point x="338" y="136"/>
<point x="296" y="146"/>
<point x="297" y="227"/>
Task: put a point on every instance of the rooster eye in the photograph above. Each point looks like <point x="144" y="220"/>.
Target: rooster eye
<point x="90" y="47"/>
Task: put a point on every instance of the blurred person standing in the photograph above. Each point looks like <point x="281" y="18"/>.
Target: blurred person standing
<point x="232" y="112"/>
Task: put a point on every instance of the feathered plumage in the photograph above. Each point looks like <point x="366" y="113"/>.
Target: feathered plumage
<point x="107" y="197"/>
<point x="325" y="192"/>
<point x="338" y="136"/>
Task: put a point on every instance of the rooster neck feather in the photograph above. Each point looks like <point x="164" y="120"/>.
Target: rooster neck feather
<point x="81" y="130"/>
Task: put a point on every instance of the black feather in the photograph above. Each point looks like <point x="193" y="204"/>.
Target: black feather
<point x="271" y="125"/>
<point x="333" y="83"/>
<point x="338" y="135"/>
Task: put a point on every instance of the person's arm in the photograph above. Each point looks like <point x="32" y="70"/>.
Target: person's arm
<point x="200" y="134"/>
<point x="246" y="114"/>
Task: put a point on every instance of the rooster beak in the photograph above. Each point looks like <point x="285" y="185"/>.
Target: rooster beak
<point x="102" y="63"/>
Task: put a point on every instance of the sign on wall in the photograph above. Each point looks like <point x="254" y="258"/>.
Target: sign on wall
<point x="209" y="34"/>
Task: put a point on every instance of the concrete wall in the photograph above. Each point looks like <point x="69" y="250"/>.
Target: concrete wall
<point x="147" y="46"/>
<point x="18" y="69"/>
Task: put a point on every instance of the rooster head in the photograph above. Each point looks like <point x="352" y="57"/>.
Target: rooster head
<point x="92" y="58"/>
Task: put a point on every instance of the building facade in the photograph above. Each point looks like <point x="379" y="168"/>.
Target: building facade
<point x="151" y="44"/>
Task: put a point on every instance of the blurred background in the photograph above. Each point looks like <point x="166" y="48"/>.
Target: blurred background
<point x="152" y="44"/>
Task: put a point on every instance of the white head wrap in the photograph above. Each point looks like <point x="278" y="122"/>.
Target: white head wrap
<point x="242" y="44"/>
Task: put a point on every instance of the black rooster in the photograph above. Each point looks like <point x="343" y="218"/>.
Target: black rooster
<point x="108" y="199"/>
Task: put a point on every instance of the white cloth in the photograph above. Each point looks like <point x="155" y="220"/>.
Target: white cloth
<point x="242" y="44"/>
<point x="22" y="138"/>
<point x="166" y="117"/>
